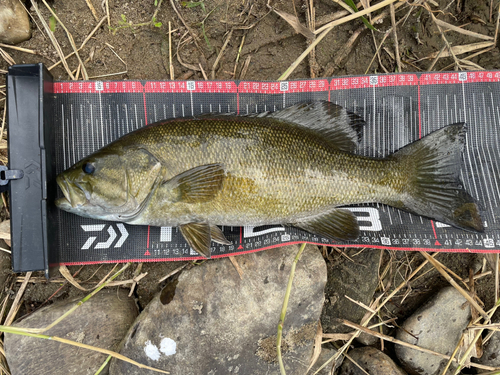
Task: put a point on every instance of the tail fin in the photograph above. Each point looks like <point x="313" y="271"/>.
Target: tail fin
<point x="432" y="164"/>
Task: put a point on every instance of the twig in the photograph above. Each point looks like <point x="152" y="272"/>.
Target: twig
<point x="498" y="24"/>
<point x="449" y="26"/>
<point x="237" y="266"/>
<point x="53" y="40"/>
<point x="7" y="57"/>
<point x="92" y="9"/>
<point x="193" y="35"/>
<point x="173" y="272"/>
<point x="170" y="65"/>
<point x="466" y="295"/>
<point x="326" y="29"/>
<point x="219" y="56"/>
<point x="15" y="304"/>
<point x="71" y="40"/>
<point x="18" y="48"/>
<point x="285" y="305"/>
<point x="496" y="266"/>
<point x="395" y="36"/>
<point x="107" y="15"/>
<point x="109" y="75"/>
<point x="113" y="50"/>
<point x="246" y="64"/>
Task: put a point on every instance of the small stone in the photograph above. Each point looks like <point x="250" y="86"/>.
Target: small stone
<point x="491" y="352"/>
<point x="102" y="321"/>
<point x="372" y="360"/>
<point x="14" y="22"/>
<point x="218" y="323"/>
<point x="437" y="326"/>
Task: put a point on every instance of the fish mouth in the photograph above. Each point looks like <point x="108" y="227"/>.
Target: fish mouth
<point x="73" y="195"/>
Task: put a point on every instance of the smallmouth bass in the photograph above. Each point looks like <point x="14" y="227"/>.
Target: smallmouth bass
<point x="292" y="167"/>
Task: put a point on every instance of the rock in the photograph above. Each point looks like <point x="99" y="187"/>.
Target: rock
<point x="325" y="355"/>
<point x="491" y="352"/>
<point x="437" y="326"/>
<point x="218" y="323"/>
<point x="357" y="279"/>
<point x="102" y="321"/>
<point x="372" y="360"/>
<point x="14" y="22"/>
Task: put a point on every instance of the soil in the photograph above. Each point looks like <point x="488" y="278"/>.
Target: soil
<point x="269" y="45"/>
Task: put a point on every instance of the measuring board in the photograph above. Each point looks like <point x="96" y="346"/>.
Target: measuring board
<point x="398" y="109"/>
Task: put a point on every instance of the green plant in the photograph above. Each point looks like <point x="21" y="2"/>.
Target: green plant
<point x="124" y="24"/>
<point x="365" y="21"/>
<point x="52" y="23"/>
<point x="193" y="4"/>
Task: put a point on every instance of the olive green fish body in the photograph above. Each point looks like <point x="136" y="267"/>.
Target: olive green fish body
<point x="292" y="167"/>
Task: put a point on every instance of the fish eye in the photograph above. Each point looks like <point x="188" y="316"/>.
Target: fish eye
<point x="88" y="168"/>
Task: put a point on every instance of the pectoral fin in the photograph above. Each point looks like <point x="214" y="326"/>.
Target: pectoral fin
<point x="199" y="184"/>
<point x="197" y="235"/>
<point x="339" y="224"/>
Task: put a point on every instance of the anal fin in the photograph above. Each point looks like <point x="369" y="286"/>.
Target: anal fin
<point x="338" y="224"/>
<point x="218" y="236"/>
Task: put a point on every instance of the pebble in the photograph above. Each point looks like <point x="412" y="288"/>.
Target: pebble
<point x="219" y="323"/>
<point x="14" y="22"/>
<point x="372" y="360"/>
<point x="438" y="326"/>
<point x="102" y="321"/>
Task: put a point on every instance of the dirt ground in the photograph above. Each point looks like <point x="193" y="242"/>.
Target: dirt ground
<point x="262" y="46"/>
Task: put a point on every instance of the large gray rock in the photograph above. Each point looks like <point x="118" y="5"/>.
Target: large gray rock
<point x="358" y="279"/>
<point x="14" y="22"/>
<point x="102" y="321"/>
<point x="438" y="326"/>
<point x="372" y="360"/>
<point x="218" y="323"/>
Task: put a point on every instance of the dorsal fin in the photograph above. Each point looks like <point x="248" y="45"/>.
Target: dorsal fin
<point x="343" y="129"/>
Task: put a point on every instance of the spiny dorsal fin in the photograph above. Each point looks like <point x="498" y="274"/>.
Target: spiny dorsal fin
<point x="199" y="184"/>
<point x="338" y="224"/>
<point x="341" y="128"/>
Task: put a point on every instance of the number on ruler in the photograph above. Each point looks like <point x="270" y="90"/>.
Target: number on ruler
<point x="373" y="80"/>
<point x="191" y="85"/>
<point x="99" y="86"/>
<point x="283" y="86"/>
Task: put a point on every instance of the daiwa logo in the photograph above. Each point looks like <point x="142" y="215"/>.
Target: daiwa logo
<point x="112" y="236"/>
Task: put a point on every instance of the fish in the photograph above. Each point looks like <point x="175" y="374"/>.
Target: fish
<point x="294" y="167"/>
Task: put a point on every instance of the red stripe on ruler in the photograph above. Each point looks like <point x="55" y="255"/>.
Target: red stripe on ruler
<point x="434" y="229"/>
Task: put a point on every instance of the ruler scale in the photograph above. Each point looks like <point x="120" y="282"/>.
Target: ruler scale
<point x="398" y="109"/>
